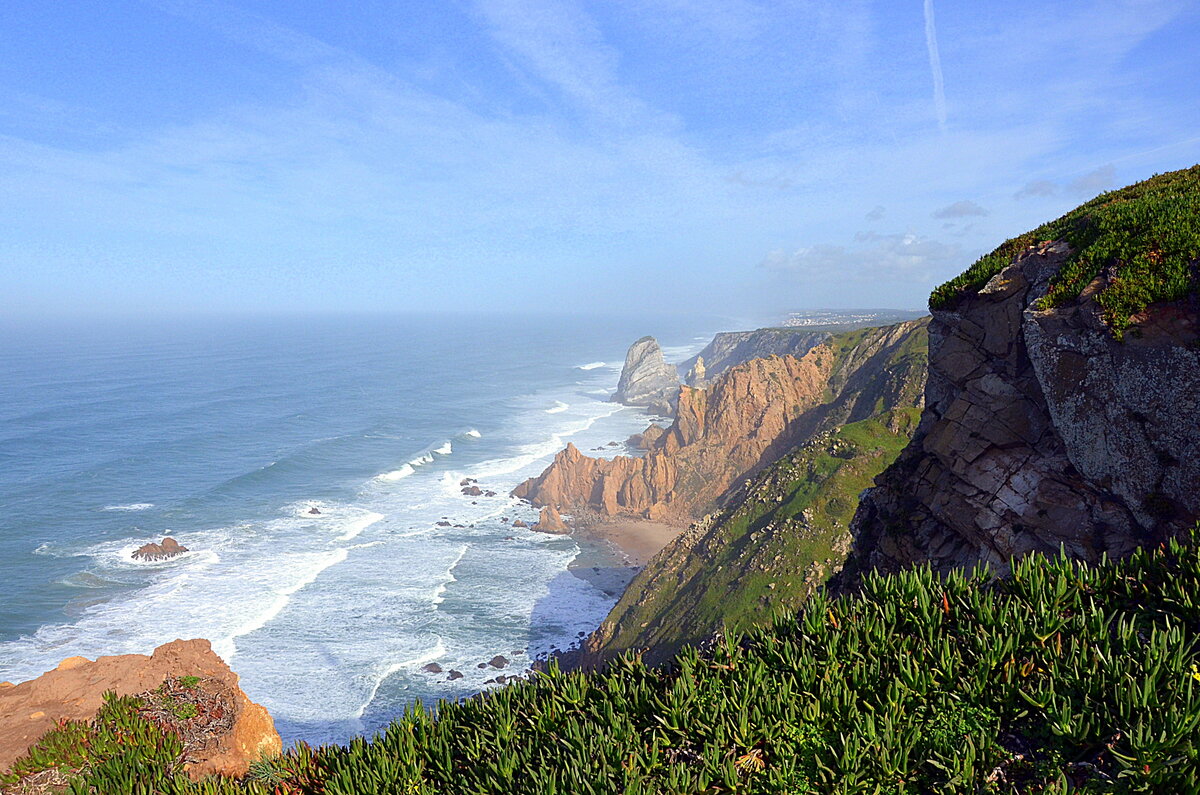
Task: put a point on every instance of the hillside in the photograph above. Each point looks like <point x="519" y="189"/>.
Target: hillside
<point x="783" y="534"/>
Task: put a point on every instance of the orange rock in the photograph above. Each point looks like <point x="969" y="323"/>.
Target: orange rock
<point x="721" y="433"/>
<point x="75" y="690"/>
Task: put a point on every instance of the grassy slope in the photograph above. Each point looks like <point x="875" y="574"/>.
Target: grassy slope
<point x="779" y="541"/>
<point x="1147" y="235"/>
<point x="1062" y="678"/>
<point x="783" y="533"/>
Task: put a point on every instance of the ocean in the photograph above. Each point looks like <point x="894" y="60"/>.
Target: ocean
<point x="226" y="433"/>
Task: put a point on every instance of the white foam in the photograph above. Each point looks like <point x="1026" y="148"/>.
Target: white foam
<point x="358" y="525"/>
<point x="226" y="648"/>
<point x="428" y="656"/>
<point x="590" y="366"/>
<point x="133" y="506"/>
<point x="474" y="434"/>
<point x="439" y="592"/>
<point x="446" y="449"/>
<point x="558" y="408"/>
<point x="424" y="458"/>
<point x="396" y="474"/>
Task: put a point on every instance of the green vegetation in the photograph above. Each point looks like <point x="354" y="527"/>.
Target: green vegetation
<point x="780" y="539"/>
<point x="1146" y="237"/>
<point x="1060" y="678"/>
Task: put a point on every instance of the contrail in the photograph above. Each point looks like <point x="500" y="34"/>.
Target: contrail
<point x="935" y="65"/>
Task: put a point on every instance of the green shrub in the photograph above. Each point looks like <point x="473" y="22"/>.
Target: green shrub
<point x="1146" y="236"/>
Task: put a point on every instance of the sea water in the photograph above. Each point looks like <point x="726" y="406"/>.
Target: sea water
<point x="227" y="433"/>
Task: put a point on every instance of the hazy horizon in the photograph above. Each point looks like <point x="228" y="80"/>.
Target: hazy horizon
<point x="192" y="158"/>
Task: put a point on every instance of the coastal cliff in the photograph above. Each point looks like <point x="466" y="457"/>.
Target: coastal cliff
<point x="731" y="348"/>
<point x="744" y="420"/>
<point x="1057" y="415"/>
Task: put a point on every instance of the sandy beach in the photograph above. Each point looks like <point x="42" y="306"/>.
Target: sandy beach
<point x="638" y="540"/>
<point x="614" y="551"/>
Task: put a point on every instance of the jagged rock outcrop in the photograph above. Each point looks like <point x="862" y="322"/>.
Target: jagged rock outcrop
<point x="550" y="521"/>
<point x="646" y="379"/>
<point x="75" y="691"/>
<point x="746" y="419"/>
<point x="1041" y="430"/>
<point x="731" y="348"/>
<point x="169" y="548"/>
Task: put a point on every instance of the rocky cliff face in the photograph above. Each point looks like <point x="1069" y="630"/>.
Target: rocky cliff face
<point x="75" y="691"/>
<point x="746" y="419"/>
<point x="1040" y="430"/>
<point x="731" y="348"/>
<point x="646" y="379"/>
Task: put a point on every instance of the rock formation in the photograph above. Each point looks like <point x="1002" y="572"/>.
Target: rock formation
<point x="731" y="348"/>
<point x="1040" y="430"/>
<point x="169" y="548"/>
<point x="747" y="418"/>
<point x="550" y="521"/>
<point x="75" y="691"/>
<point x="646" y="379"/>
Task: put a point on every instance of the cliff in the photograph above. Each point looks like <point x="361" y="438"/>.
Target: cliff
<point x="1056" y="416"/>
<point x="731" y="348"/>
<point x="185" y="688"/>
<point x="744" y="420"/>
<point x="646" y="379"/>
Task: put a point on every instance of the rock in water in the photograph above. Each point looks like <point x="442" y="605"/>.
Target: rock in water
<point x="550" y="521"/>
<point x="169" y="548"/>
<point x="646" y="379"/>
<point x="75" y="691"/>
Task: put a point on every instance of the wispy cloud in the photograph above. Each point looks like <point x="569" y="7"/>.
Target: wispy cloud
<point x="1094" y="182"/>
<point x="897" y="257"/>
<point x="935" y="66"/>
<point x="961" y="209"/>
<point x="1036" y="188"/>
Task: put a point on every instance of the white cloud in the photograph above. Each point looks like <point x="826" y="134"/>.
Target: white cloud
<point x="961" y="209"/>
<point x="895" y="257"/>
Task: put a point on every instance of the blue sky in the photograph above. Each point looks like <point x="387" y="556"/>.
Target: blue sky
<point x="532" y="155"/>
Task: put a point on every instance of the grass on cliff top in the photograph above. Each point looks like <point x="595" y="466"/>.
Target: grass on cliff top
<point x="1063" y="677"/>
<point x="1146" y="235"/>
<point x="780" y="540"/>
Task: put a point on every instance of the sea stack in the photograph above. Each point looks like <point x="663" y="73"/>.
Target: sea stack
<point x="550" y="521"/>
<point x="646" y="379"/>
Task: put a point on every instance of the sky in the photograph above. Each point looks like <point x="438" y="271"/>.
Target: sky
<point x="187" y="156"/>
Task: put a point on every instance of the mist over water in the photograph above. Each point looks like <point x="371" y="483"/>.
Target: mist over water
<point x="226" y="435"/>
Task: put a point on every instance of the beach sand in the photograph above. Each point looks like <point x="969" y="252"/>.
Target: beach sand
<point x="637" y="539"/>
<point x="612" y="552"/>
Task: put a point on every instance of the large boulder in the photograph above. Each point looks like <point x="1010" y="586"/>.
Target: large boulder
<point x="646" y="379"/>
<point x="75" y="691"/>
